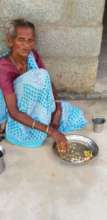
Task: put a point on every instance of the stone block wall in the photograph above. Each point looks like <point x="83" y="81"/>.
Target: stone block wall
<point x="69" y="34"/>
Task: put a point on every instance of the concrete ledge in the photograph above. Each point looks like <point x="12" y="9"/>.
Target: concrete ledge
<point x="83" y="96"/>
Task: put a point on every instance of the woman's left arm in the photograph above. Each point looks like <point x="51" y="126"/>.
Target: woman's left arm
<point x="57" y="113"/>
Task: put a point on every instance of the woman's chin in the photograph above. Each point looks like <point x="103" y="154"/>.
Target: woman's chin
<point x="24" y="54"/>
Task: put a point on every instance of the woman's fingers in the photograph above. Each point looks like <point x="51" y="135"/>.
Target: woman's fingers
<point x="61" y="141"/>
<point x="62" y="146"/>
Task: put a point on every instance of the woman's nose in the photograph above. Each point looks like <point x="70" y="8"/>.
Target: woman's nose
<point x="26" y="43"/>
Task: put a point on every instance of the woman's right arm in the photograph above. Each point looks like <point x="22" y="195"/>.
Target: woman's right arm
<point x="28" y="121"/>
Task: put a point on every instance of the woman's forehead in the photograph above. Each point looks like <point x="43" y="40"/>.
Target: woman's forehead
<point x="24" y="31"/>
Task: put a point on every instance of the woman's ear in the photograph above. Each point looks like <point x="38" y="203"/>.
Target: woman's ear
<point x="9" y="41"/>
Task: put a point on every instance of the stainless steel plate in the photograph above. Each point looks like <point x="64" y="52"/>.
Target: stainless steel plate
<point x="81" y="149"/>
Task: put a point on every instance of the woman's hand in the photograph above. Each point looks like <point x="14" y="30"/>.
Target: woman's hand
<point x="60" y="140"/>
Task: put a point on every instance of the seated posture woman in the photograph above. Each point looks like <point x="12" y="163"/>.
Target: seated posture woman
<point x="28" y="99"/>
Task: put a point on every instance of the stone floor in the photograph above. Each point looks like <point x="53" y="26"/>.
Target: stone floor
<point x="37" y="185"/>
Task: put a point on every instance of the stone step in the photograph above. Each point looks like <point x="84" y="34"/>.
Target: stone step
<point x="90" y="96"/>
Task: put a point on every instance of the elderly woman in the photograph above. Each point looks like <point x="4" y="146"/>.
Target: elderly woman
<point x="28" y="99"/>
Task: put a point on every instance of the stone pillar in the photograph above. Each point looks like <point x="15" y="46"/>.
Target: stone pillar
<point x="69" y="34"/>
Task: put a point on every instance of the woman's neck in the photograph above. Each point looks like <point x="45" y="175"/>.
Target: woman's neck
<point x="19" y="62"/>
<point x="18" y="59"/>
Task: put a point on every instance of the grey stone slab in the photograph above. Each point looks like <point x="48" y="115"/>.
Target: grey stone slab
<point x="66" y="41"/>
<point x="86" y="12"/>
<point x="102" y="70"/>
<point x="104" y="94"/>
<point x="65" y="28"/>
<point x="39" y="11"/>
<point x="76" y="75"/>
<point x="2" y="41"/>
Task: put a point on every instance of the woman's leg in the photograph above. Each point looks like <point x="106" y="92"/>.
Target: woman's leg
<point x="72" y="118"/>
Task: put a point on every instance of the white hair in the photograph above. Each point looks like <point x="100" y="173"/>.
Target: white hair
<point x="12" y="26"/>
<point x="11" y="30"/>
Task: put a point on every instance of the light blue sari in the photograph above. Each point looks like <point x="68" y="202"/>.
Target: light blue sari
<point x="35" y="97"/>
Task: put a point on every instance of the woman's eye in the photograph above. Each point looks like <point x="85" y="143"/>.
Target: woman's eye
<point x="30" y="41"/>
<point x="21" y="40"/>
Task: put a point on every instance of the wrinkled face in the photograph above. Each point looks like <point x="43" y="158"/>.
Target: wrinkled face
<point x="24" y="41"/>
